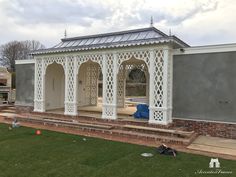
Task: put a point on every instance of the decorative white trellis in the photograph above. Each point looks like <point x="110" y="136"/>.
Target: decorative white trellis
<point x="40" y="71"/>
<point x="91" y="83"/>
<point x="158" y="105"/>
<point x="121" y="83"/>
<point x="109" y="86"/>
<point x="159" y="65"/>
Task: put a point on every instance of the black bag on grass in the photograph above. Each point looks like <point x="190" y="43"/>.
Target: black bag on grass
<point x="163" y="149"/>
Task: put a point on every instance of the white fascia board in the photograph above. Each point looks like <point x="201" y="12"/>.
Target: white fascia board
<point x="20" y="62"/>
<point x="206" y="49"/>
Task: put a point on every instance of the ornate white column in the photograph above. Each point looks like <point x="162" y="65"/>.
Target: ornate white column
<point x="92" y="83"/>
<point x="39" y="85"/>
<point x="121" y="86"/>
<point x="109" y="110"/>
<point x="160" y="86"/>
<point x="70" y="87"/>
<point x="147" y="85"/>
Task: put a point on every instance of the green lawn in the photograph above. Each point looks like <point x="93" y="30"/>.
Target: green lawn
<point x="23" y="154"/>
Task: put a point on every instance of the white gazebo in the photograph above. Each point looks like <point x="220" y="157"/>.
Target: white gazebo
<point x="66" y="75"/>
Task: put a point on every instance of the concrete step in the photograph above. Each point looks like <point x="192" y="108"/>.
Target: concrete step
<point x="72" y="120"/>
<point x="159" y="131"/>
<point x="111" y="121"/>
<point x="152" y="137"/>
<point x="11" y="107"/>
<point x="8" y="110"/>
<point x="60" y="123"/>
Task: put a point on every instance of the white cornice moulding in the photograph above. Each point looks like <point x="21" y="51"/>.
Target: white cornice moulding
<point x="20" y="62"/>
<point x="206" y="49"/>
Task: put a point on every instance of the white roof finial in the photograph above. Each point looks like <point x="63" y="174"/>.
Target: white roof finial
<point x="170" y="34"/>
<point x="65" y="34"/>
<point x="151" y="22"/>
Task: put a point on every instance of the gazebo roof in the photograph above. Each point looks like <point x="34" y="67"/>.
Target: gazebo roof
<point x="136" y="37"/>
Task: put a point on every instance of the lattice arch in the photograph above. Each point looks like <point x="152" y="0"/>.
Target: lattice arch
<point x="140" y="55"/>
<point x="41" y="65"/>
<point x="57" y="59"/>
<point x="80" y="59"/>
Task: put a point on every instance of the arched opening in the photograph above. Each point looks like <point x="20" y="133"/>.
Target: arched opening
<point x="54" y="87"/>
<point x="132" y="86"/>
<point x="89" y="91"/>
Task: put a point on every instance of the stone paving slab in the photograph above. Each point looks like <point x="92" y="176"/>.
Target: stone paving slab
<point x="214" y="145"/>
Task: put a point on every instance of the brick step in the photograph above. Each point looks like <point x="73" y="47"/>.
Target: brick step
<point x="8" y="111"/>
<point x="72" y="120"/>
<point x="112" y="132"/>
<point x="11" y="107"/>
<point x="124" y="126"/>
<point x="61" y="123"/>
<point x="152" y="137"/>
<point x="111" y="121"/>
<point x="143" y="129"/>
<point x="159" y="131"/>
<point x="108" y="130"/>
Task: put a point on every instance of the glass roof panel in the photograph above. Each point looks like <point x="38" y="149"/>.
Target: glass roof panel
<point x="96" y="40"/>
<point x="89" y="41"/>
<point x="65" y="44"/>
<point x="117" y="38"/>
<point x="152" y="34"/>
<point x="142" y="35"/>
<point x="103" y="39"/>
<point x="76" y="43"/>
<point x="82" y="42"/>
<point x="110" y="39"/>
<point x="133" y="36"/>
<point x="125" y="37"/>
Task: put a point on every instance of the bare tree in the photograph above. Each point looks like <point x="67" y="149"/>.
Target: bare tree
<point x="31" y="46"/>
<point x="17" y="50"/>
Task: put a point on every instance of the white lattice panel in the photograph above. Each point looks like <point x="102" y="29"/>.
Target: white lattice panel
<point x="109" y="86"/>
<point x="97" y="58"/>
<point x="70" y="96"/>
<point x="121" y="86"/>
<point x="94" y="83"/>
<point x="58" y="59"/>
<point x="87" y="83"/>
<point x="38" y="92"/>
<point x="160" y="94"/>
<point x="109" y="79"/>
<point x="158" y="79"/>
<point x="140" y="55"/>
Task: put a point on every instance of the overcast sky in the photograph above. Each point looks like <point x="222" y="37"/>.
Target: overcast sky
<point x="197" y="22"/>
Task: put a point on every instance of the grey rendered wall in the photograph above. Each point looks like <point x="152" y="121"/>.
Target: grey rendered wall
<point x="25" y="84"/>
<point x="204" y="86"/>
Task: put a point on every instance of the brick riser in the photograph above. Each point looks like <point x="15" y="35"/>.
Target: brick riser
<point x="154" y="132"/>
<point x="117" y="121"/>
<point x="216" y="129"/>
<point x="112" y="133"/>
<point x="121" y="127"/>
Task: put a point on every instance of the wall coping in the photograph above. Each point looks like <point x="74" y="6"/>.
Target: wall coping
<point x="20" y="62"/>
<point x="202" y="120"/>
<point x="205" y="49"/>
